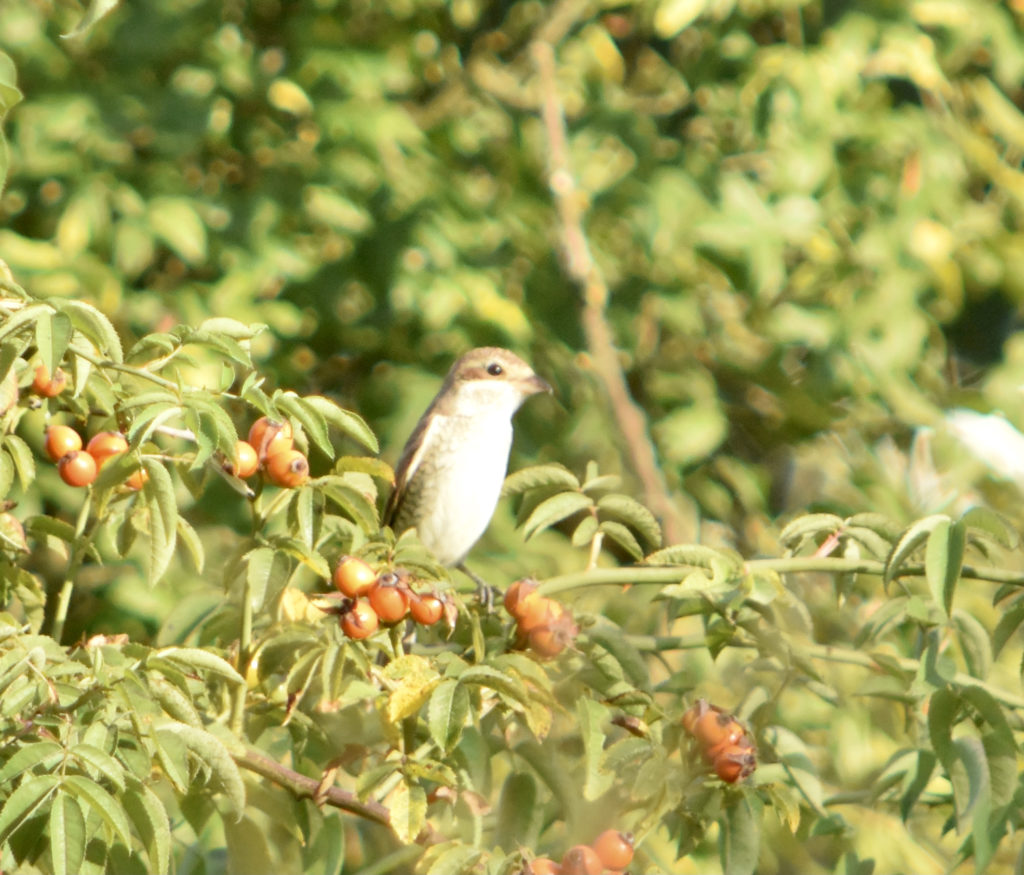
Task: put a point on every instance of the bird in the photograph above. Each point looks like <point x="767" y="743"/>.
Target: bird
<point x="450" y="473"/>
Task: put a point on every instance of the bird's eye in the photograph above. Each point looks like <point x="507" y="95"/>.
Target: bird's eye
<point x="495" y="370"/>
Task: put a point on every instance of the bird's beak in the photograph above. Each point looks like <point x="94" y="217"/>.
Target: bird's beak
<point x="535" y="385"/>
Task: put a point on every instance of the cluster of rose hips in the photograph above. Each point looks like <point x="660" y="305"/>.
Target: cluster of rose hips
<point x="372" y="598"/>
<point x="78" y="466"/>
<point x="723" y="741"/>
<point x="542" y="624"/>
<point x="271" y="446"/>
<point x="612" y="851"/>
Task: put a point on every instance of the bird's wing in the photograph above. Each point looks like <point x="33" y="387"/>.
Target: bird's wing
<point x="412" y="455"/>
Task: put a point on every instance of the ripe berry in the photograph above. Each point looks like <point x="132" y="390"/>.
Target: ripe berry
<point x="137" y="480"/>
<point x="288" y="469"/>
<point x="544" y="866"/>
<point x="390" y="601"/>
<point x="46" y="386"/>
<point x="270" y="436"/>
<point x="581" y="860"/>
<point x="61" y="440"/>
<point x="353" y="577"/>
<point x="735" y="763"/>
<point x="77" y="468"/>
<point x="246" y="462"/>
<point x="614" y="848"/>
<point x="359" y="621"/>
<point x="426" y="609"/>
<point x="516" y="595"/>
<point x="105" y="444"/>
<point x="538" y="610"/>
<point x="549" y="639"/>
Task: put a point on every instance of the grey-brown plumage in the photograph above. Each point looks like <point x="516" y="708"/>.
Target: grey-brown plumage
<point x="450" y="474"/>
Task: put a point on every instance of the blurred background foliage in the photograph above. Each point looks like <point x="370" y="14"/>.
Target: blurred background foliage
<point x="809" y="215"/>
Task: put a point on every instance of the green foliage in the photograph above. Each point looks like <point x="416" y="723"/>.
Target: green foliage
<point x="809" y="219"/>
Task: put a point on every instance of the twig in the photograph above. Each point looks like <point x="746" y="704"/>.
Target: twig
<point x="584" y="271"/>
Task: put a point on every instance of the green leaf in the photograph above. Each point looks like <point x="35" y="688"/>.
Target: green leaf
<point x="97" y="760"/>
<point x="312" y="421"/>
<point x="450" y="857"/>
<point x="634" y="514"/>
<point x="53" y="333"/>
<point x="109" y="810"/>
<point x="67" y="835"/>
<point x="992" y="524"/>
<point x="912" y="538"/>
<point x="408" y="806"/>
<point x="96" y="11"/>
<point x="259" y="565"/>
<point x="623" y="537"/>
<point x="176" y="221"/>
<point x="811" y="525"/>
<point x="94" y="325"/>
<point x="1008" y="623"/>
<point x="540" y="475"/>
<point x="447" y="712"/>
<point x="518" y="821"/>
<point x="24" y="802"/>
<point x="485" y="676"/>
<point x="158" y="494"/>
<point x="739" y="840"/>
<point x="211" y="751"/>
<point x="592" y="718"/>
<point x="195" y="659"/>
<point x="926" y="761"/>
<point x="943" y="709"/>
<point x="554" y="510"/>
<point x="28" y="756"/>
<point x="9" y="94"/>
<point x="975" y="644"/>
<point x="943" y="559"/>
<point x="24" y="317"/>
<point x="695" y="556"/>
<point x="152" y="826"/>
<point x="189" y="538"/>
<point x="345" y="421"/>
<point x="24" y="462"/>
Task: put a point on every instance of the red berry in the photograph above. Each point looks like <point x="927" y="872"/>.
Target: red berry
<point x="245" y="463"/>
<point x="389" y="600"/>
<point x="288" y="469"/>
<point x="359" y="621"/>
<point x="77" y="468"/>
<point x="734" y="763"/>
<point x="61" y="440"/>
<point x="353" y="577"/>
<point x="105" y="444"/>
<point x="46" y="386"/>
<point x="270" y="436"/>
<point x="614" y="848"/>
<point x="426" y="609"/>
<point x="581" y="860"/>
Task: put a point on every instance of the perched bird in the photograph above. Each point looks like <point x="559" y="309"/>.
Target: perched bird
<point x="450" y="474"/>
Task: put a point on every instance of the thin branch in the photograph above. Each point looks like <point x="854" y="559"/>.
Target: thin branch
<point x="584" y="271"/>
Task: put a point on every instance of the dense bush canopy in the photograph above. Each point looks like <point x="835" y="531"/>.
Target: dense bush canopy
<point x="770" y="255"/>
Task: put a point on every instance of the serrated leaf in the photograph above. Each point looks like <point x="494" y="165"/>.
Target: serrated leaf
<point x="694" y="555"/>
<point x="1008" y="623"/>
<point x="975" y="644"/>
<point x="259" y="565"/>
<point x="943" y="558"/>
<point x="926" y="761"/>
<point x="551" y="474"/>
<point x="623" y="537"/>
<point x="807" y="526"/>
<point x="23" y="318"/>
<point x="912" y="538"/>
<point x="67" y="835"/>
<point x="211" y="751"/>
<point x="357" y="506"/>
<point x="408" y="806"/>
<point x="53" y="333"/>
<point x="196" y="659"/>
<point x="376" y="468"/>
<point x="450" y="857"/>
<point x="991" y="523"/>
<point x="634" y="514"/>
<point x="158" y="494"/>
<point x="312" y="421"/>
<point x="345" y="421"/>
<point x="28" y="756"/>
<point x="447" y="711"/>
<point x="554" y="510"/>
<point x="109" y="810"/>
<point x="95" y="326"/>
<point x="189" y="538"/>
<point x="21" y="456"/>
<point x="413" y="679"/>
<point x="149" y="818"/>
<point x="24" y="802"/>
<point x="102" y="762"/>
<point x="485" y="676"/>
<point x="739" y="841"/>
